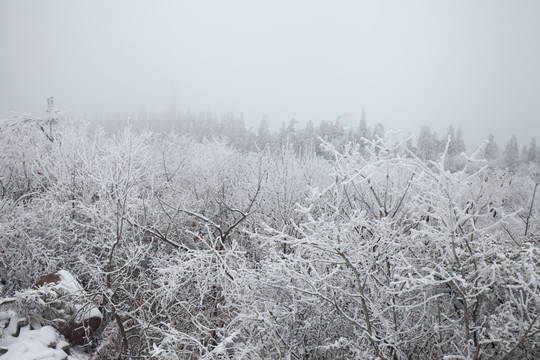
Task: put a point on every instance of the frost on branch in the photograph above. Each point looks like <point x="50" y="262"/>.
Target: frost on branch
<point x="195" y="249"/>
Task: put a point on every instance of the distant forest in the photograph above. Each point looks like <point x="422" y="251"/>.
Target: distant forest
<point x="429" y="145"/>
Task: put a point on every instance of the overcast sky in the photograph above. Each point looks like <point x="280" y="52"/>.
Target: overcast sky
<point x="472" y="63"/>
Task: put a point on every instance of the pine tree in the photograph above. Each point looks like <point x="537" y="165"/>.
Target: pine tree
<point x="491" y="151"/>
<point x="263" y="133"/>
<point x="291" y="130"/>
<point x="309" y="131"/>
<point x="532" y="154"/>
<point x="362" y="130"/>
<point x="511" y="154"/>
<point x="338" y="132"/>
<point x="452" y="146"/>
<point x="325" y="130"/>
<point x="379" y="131"/>
<point x="460" y="143"/>
<point x="309" y="138"/>
<point x="425" y="145"/>
<point x="287" y="134"/>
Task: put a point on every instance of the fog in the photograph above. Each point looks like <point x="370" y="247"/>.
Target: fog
<point x="473" y="64"/>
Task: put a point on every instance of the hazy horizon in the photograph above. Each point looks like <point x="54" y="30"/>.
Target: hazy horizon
<point x="471" y="64"/>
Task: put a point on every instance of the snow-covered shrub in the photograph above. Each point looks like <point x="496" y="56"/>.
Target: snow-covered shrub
<point x="197" y="250"/>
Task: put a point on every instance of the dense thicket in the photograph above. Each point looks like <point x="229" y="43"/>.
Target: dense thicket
<point x="358" y="248"/>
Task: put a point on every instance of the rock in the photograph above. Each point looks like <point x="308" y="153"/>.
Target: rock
<point x="47" y="279"/>
<point x="82" y="318"/>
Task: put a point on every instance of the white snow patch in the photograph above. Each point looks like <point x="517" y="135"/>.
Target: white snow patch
<point x="40" y="344"/>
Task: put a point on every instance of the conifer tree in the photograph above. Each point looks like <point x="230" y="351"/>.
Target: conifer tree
<point x="491" y="151"/>
<point x="263" y="133"/>
<point x="511" y="154"/>
<point x="362" y="131"/>
<point x="532" y="154"/>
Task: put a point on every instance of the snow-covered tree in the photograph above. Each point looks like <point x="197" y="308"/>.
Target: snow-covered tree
<point x="263" y="133"/>
<point x="491" y="151"/>
<point x="426" y="145"/>
<point x="511" y="154"/>
<point x="532" y="153"/>
<point x="195" y="247"/>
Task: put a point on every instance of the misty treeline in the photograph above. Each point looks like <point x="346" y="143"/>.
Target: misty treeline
<point x="197" y="248"/>
<point x="428" y="145"/>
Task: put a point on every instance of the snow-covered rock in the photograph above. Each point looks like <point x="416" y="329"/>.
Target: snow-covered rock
<point x="82" y="317"/>
<point x="32" y="344"/>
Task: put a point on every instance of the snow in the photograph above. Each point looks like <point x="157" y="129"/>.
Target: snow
<point x="13" y="321"/>
<point x="84" y="314"/>
<point x="69" y="283"/>
<point x="32" y="342"/>
<point x="20" y="340"/>
<point x="40" y="344"/>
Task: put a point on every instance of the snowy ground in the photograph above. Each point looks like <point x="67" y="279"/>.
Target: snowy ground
<point x="20" y="340"/>
<point x="24" y="338"/>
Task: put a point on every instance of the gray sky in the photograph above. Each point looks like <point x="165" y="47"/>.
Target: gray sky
<point x="472" y="63"/>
